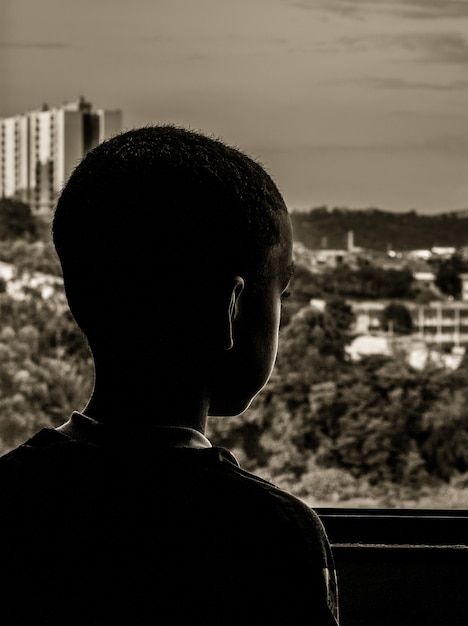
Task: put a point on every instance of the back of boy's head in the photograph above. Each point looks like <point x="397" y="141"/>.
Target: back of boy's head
<point x="160" y="214"/>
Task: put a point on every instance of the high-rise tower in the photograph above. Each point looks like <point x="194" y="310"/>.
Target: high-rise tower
<point x="39" y="149"/>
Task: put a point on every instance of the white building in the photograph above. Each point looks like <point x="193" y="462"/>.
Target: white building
<point x="39" y="149"/>
<point x="464" y="284"/>
<point x="442" y="324"/>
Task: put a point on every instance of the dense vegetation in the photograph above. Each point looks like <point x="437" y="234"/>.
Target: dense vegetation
<point x="379" y="230"/>
<point x="45" y="365"/>
<point x="377" y="429"/>
<point x="366" y="282"/>
<point x="332" y="431"/>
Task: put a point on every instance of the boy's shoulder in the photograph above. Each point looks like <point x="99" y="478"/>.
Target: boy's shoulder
<point x="52" y="457"/>
<point x="51" y="465"/>
<point x="52" y="468"/>
<point x="196" y="508"/>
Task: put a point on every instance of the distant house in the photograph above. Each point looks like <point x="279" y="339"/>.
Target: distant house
<point x="417" y="353"/>
<point x="423" y="276"/>
<point x="368" y="316"/>
<point x="7" y="271"/>
<point x="318" y="304"/>
<point x="425" y="279"/>
<point x="464" y="291"/>
<point x="424" y="254"/>
<point x="366" y="345"/>
<point x="444" y="252"/>
<point x="304" y="256"/>
<point x="318" y="259"/>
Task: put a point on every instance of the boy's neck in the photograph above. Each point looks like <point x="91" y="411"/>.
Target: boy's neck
<point x="147" y="402"/>
<point x="82" y="427"/>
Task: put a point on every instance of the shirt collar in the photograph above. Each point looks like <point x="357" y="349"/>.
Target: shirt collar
<point x="81" y="427"/>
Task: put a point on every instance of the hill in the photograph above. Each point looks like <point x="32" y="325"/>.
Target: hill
<point x="379" y="230"/>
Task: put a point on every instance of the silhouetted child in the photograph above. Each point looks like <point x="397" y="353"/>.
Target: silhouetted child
<point x="176" y="250"/>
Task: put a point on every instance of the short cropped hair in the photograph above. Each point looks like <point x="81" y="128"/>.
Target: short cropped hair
<point x="162" y="203"/>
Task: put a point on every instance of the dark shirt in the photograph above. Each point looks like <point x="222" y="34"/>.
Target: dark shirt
<point x="97" y="528"/>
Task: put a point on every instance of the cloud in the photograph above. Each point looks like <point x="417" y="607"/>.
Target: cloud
<point x="401" y="84"/>
<point x="447" y="144"/>
<point x="452" y="144"/>
<point x="431" y="9"/>
<point x="342" y="7"/>
<point x="442" y="47"/>
<point x="437" y="47"/>
<point x="415" y="9"/>
<point x="156" y="39"/>
<point x="35" y="45"/>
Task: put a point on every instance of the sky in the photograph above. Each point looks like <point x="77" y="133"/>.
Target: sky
<point x="356" y="103"/>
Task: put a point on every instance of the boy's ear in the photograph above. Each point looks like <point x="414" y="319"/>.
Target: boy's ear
<point x="235" y="291"/>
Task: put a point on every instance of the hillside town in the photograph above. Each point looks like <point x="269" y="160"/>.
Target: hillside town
<point x="38" y="150"/>
<point x="439" y="324"/>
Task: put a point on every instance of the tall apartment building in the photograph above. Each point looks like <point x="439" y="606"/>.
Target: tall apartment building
<point x="39" y="149"/>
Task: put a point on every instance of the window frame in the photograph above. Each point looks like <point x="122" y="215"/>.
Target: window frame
<point x="399" y="566"/>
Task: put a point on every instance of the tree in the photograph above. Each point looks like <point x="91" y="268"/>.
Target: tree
<point x="398" y="318"/>
<point x="367" y="281"/>
<point x="341" y="313"/>
<point x="45" y="365"/>
<point x="16" y="220"/>
<point x="372" y="423"/>
<point x="448" y="275"/>
<point x="445" y="426"/>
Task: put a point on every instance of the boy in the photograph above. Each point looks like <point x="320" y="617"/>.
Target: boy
<point x="176" y="250"/>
